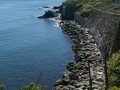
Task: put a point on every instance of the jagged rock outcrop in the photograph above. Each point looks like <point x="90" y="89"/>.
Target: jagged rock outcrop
<point x="49" y="14"/>
<point x="87" y="71"/>
<point x="105" y="28"/>
<point x="57" y="7"/>
<point x="67" y="12"/>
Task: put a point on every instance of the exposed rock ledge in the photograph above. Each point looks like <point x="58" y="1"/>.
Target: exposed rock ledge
<point x="88" y="68"/>
<point x="49" y="14"/>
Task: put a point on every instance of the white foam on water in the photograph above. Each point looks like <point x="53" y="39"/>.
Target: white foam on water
<point x="56" y="24"/>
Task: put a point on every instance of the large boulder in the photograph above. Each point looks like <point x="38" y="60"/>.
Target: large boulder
<point x="49" y="14"/>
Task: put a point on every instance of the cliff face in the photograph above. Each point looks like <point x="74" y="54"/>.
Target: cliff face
<point x="67" y="12"/>
<point x="105" y="28"/>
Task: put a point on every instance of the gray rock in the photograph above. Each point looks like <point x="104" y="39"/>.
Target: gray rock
<point x="49" y="14"/>
<point x="58" y="82"/>
<point x="79" y="85"/>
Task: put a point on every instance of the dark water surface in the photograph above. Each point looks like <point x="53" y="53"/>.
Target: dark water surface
<point x="29" y="46"/>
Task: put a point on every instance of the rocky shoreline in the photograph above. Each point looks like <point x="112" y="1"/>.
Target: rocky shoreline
<point x="87" y="71"/>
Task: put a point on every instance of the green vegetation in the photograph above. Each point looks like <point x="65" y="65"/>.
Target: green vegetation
<point x="2" y="87"/>
<point x="113" y="7"/>
<point x="114" y="72"/>
<point x="85" y="6"/>
<point x="114" y="88"/>
<point x="32" y="86"/>
<point x="70" y="3"/>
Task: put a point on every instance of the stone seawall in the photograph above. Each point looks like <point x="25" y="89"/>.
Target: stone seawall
<point x="105" y="28"/>
<point x="91" y="47"/>
<point x="87" y="71"/>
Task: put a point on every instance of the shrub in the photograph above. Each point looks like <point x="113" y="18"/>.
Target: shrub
<point x="114" y="71"/>
<point x="114" y="88"/>
<point x="2" y="87"/>
<point x="32" y="86"/>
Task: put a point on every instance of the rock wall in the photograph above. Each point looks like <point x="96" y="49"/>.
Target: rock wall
<point x="87" y="71"/>
<point x="80" y="19"/>
<point x="105" y="28"/>
<point x="98" y="41"/>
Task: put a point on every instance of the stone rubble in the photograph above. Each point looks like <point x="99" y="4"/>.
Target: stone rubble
<point x="87" y="59"/>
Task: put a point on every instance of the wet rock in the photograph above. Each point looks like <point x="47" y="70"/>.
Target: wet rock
<point x="65" y="88"/>
<point x="73" y="76"/>
<point x="57" y="7"/>
<point x="79" y="85"/>
<point x="49" y="14"/>
<point x="58" y="87"/>
<point x="78" y="65"/>
<point x="65" y="81"/>
<point x="58" y="82"/>
<point x="71" y="87"/>
<point x="73" y="82"/>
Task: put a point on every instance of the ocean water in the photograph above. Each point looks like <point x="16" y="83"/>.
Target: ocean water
<point x="31" y="49"/>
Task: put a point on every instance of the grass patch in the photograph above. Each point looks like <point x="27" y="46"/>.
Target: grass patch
<point x="113" y="7"/>
<point x="32" y="86"/>
<point x="87" y="5"/>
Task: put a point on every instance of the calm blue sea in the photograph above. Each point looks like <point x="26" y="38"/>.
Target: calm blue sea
<point x="31" y="46"/>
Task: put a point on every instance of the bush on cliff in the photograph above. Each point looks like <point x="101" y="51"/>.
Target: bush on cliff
<point x="2" y="87"/>
<point x="85" y="6"/>
<point x="32" y="86"/>
<point x="114" y="72"/>
<point x="114" y="88"/>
